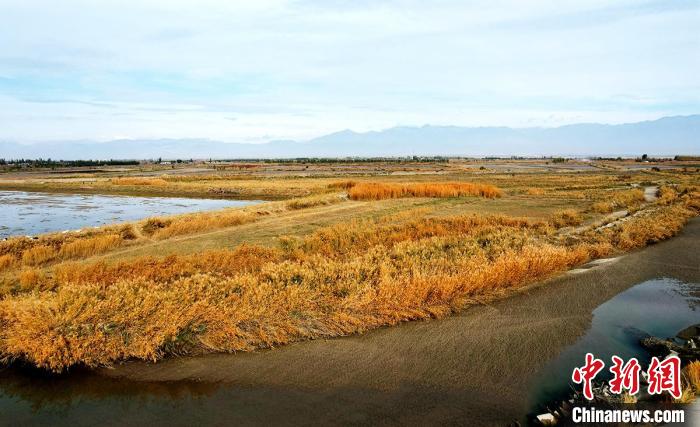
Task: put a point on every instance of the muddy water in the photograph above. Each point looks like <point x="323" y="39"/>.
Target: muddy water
<point x="487" y="365"/>
<point x="659" y="307"/>
<point x="29" y="213"/>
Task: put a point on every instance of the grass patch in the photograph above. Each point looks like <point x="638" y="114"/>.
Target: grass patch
<point x="534" y="191"/>
<point x="339" y="280"/>
<point x="567" y="217"/>
<point x="379" y="191"/>
<point x="628" y="199"/>
<point x="139" y="181"/>
<point x="378" y="263"/>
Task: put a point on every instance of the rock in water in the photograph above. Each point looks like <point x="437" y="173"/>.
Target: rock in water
<point x="689" y="333"/>
<point x="547" y="419"/>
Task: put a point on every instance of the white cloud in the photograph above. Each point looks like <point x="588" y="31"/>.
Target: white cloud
<point x="296" y="69"/>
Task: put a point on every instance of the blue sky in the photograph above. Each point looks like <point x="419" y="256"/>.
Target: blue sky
<point x="252" y="71"/>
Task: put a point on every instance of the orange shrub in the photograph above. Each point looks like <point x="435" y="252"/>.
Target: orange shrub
<point x="692" y="204"/>
<point x="312" y="201"/>
<point x="652" y="227"/>
<point x="692" y="375"/>
<point x="284" y="302"/>
<point x="567" y="217"/>
<point x="38" y="255"/>
<point x="378" y="191"/>
<point x="7" y="261"/>
<point x="224" y="262"/>
<point x="90" y="246"/>
<point x="619" y="200"/>
<point x="603" y="207"/>
<point x="335" y="282"/>
<point x="666" y="195"/>
<point x="187" y="224"/>
<point x="30" y="278"/>
<point x="344" y="185"/>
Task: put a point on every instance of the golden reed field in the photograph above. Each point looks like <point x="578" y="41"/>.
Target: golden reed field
<point x="379" y="191"/>
<point x="346" y="257"/>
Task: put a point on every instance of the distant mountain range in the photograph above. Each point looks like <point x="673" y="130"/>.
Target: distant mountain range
<point x="667" y="136"/>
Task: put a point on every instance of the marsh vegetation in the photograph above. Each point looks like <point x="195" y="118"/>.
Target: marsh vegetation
<point x="346" y="256"/>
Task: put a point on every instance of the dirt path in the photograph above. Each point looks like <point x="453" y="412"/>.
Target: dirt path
<point x="212" y="239"/>
<point x="473" y="368"/>
<point x="650" y="194"/>
<point x="265" y="230"/>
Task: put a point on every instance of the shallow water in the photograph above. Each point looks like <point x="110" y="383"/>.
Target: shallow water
<point x="28" y="213"/>
<point x="660" y="307"/>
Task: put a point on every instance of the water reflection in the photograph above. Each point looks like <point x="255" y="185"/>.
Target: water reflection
<point x="25" y="213"/>
<point x="659" y="307"/>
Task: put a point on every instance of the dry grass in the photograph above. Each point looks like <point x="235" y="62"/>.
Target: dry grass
<point x="627" y="199"/>
<point x="339" y="280"/>
<point x="603" y="207"/>
<point x="666" y="195"/>
<point x="690" y="382"/>
<point x="38" y="255"/>
<point x="691" y="373"/>
<point x="244" y="258"/>
<point x="18" y="251"/>
<point x="342" y="279"/>
<point x="379" y="191"/>
<point x="567" y="217"/>
<point x="649" y="228"/>
<point x="534" y="191"/>
<point x="7" y="261"/>
<point x="628" y="398"/>
<point x="30" y="278"/>
<point x="63" y="250"/>
<point x="342" y="185"/>
<point x="164" y="228"/>
<point x="139" y="181"/>
<point x="313" y="201"/>
<point x="328" y="284"/>
<point x="187" y="224"/>
<point x="687" y="396"/>
<point x="90" y="246"/>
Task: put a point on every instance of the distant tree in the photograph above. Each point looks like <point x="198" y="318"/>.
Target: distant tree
<point x="644" y="157"/>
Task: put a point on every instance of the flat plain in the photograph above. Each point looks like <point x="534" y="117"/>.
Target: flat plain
<point x="338" y="248"/>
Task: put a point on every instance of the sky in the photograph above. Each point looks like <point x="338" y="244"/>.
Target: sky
<point x="254" y="71"/>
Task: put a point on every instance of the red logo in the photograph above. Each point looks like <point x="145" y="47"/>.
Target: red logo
<point x="624" y="376"/>
<point x="663" y="375"/>
<point x="587" y="373"/>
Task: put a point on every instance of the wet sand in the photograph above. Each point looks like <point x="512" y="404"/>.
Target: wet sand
<point x="474" y="368"/>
